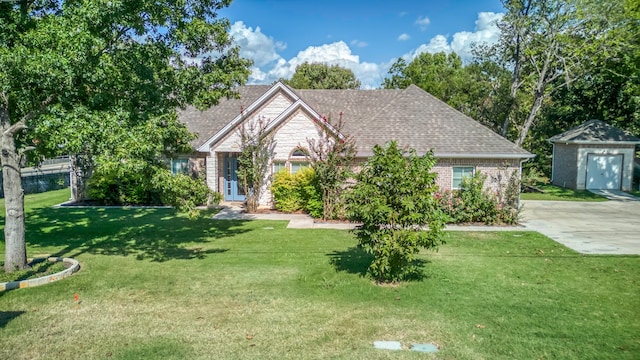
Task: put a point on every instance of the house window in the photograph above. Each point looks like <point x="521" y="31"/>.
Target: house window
<point x="279" y="165"/>
<point x="459" y="173"/>
<point x="299" y="160"/>
<point x="298" y="165"/>
<point x="180" y="166"/>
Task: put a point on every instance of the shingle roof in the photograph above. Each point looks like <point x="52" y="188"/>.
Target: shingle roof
<point x="595" y="131"/>
<point x="208" y="122"/>
<point x="411" y="116"/>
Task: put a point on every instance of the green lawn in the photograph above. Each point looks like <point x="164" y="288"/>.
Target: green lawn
<point x="159" y="286"/>
<point x="556" y="193"/>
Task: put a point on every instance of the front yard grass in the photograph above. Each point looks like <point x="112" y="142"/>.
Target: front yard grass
<point x="154" y="285"/>
<point x="556" y="193"/>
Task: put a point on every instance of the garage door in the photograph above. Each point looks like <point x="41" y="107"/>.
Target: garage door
<point x="604" y="171"/>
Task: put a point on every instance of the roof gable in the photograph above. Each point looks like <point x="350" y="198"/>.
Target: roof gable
<point x="248" y="112"/>
<point x="595" y="131"/>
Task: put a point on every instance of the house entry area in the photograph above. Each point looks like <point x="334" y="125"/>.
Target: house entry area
<point x="233" y="189"/>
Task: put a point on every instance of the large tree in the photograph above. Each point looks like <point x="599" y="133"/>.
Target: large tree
<point x="439" y="74"/>
<point x="87" y="65"/>
<point x="477" y="89"/>
<point x="547" y="45"/>
<point x="322" y="76"/>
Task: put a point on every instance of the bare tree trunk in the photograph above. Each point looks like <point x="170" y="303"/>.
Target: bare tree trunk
<point x="537" y="104"/>
<point x="15" y="248"/>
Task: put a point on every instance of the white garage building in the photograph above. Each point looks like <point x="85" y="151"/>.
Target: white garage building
<point x="594" y="155"/>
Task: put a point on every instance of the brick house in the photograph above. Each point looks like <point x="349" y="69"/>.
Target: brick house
<point x="593" y="155"/>
<point x="410" y="116"/>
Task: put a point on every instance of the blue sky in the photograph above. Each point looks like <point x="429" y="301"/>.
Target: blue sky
<point x="364" y="36"/>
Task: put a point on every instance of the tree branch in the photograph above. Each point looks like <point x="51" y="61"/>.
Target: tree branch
<point x="22" y="123"/>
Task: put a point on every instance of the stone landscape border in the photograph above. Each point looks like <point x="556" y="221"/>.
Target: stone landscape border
<point x="70" y="270"/>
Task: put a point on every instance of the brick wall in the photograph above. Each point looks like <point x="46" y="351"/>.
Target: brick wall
<point x="498" y="171"/>
<point x="565" y="167"/>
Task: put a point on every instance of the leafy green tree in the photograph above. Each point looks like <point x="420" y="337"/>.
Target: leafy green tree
<point x="439" y="74"/>
<point x="604" y="82"/>
<point x="96" y="68"/>
<point x="479" y="90"/>
<point x="332" y="156"/>
<point x="548" y="44"/>
<point x="322" y="76"/>
<point x="394" y="200"/>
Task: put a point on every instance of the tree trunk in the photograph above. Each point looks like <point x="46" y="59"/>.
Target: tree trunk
<point x="15" y="257"/>
<point x="537" y="104"/>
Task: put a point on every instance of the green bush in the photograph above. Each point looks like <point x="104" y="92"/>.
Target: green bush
<point x="141" y="183"/>
<point x="297" y="192"/>
<point x="123" y="183"/>
<point x="474" y="204"/>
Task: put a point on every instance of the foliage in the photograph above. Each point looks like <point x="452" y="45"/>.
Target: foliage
<point x="547" y="45"/>
<point x="256" y="149"/>
<point x="439" y="74"/>
<point x="136" y="182"/>
<point x="297" y="192"/>
<point x="478" y="89"/>
<point x="322" y="76"/>
<point x="473" y="203"/>
<point x="331" y="158"/>
<point x="119" y="64"/>
<point x="394" y="200"/>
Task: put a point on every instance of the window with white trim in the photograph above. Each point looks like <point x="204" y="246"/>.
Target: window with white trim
<point x="459" y="173"/>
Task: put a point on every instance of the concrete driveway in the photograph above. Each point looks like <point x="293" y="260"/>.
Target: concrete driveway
<point x="610" y="227"/>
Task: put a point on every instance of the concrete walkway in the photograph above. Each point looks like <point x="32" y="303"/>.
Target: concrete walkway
<point x="234" y="211"/>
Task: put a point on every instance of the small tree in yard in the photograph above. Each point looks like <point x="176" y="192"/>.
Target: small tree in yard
<point x="256" y="148"/>
<point x="331" y="158"/>
<point x="394" y="200"/>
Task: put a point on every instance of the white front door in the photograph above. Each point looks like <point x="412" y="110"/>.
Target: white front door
<point x="604" y="171"/>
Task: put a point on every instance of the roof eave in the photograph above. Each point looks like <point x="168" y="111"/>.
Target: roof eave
<point x="467" y="155"/>
<point x="593" y="142"/>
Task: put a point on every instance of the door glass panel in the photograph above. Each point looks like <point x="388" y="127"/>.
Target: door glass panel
<point x="240" y="186"/>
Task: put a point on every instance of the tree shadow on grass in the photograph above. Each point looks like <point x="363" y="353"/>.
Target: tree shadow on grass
<point x="153" y="234"/>
<point x="6" y="316"/>
<point x="355" y="260"/>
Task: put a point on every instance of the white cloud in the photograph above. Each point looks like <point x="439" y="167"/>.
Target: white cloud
<point x="337" y="53"/>
<point x="486" y="30"/>
<point x="358" y="43"/>
<point x="423" y="22"/>
<point x="255" y="45"/>
<point x="269" y="65"/>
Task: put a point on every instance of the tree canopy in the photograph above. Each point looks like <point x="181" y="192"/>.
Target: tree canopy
<point x="322" y="76"/>
<point x="556" y="64"/>
<point x="78" y="76"/>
